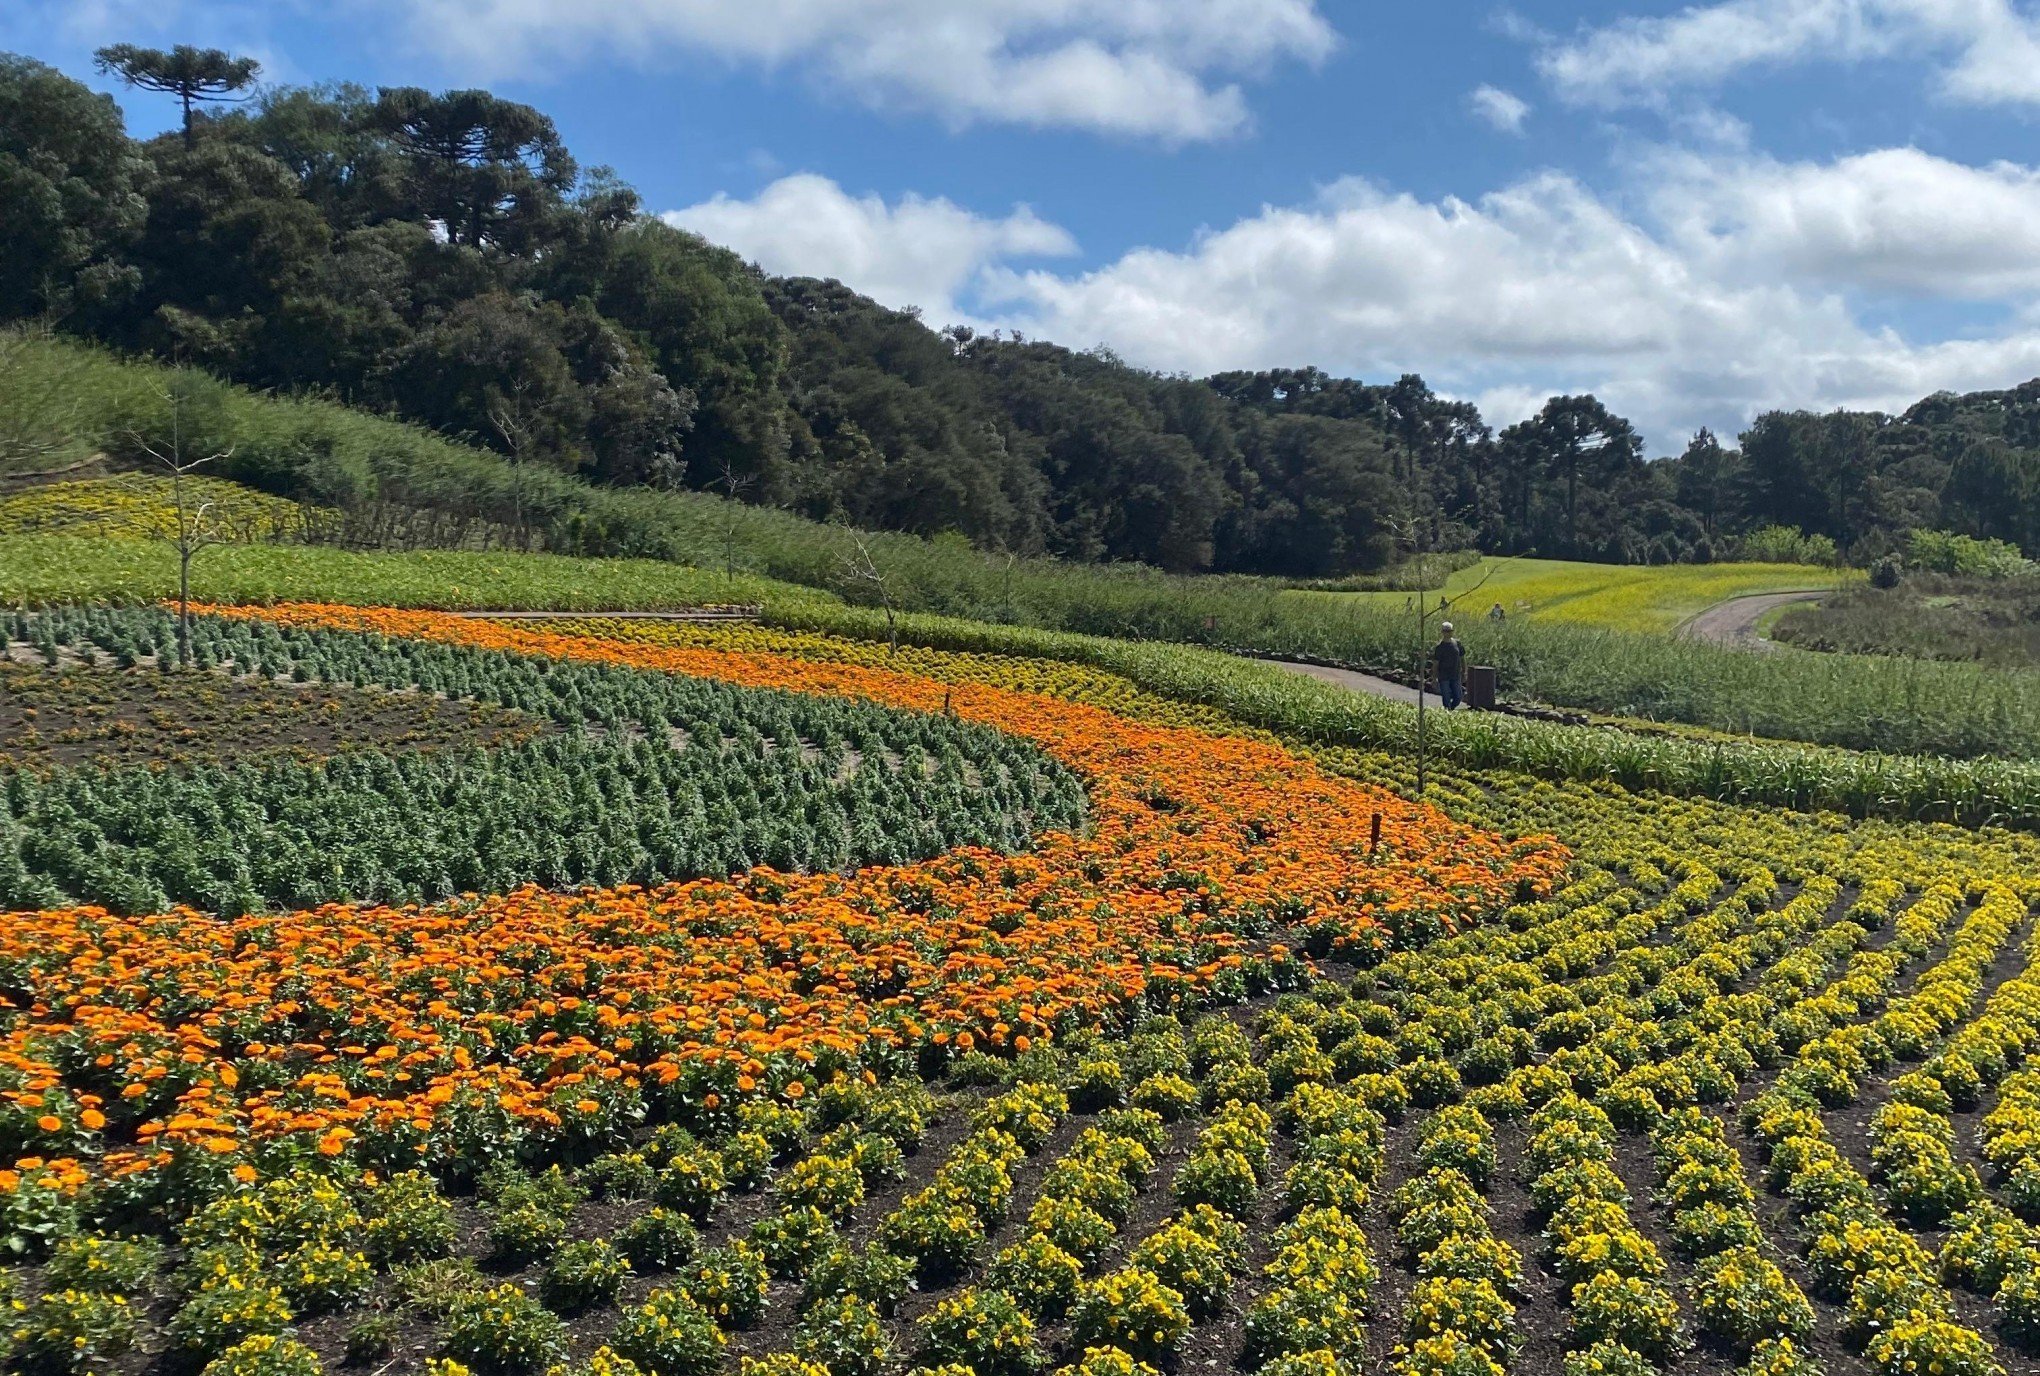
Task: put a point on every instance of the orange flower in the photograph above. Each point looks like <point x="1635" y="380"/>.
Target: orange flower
<point x="49" y="1122"/>
<point x="1189" y="831"/>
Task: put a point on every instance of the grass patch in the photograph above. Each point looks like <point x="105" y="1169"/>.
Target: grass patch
<point x="1614" y="597"/>
<point x="39" y="569"/>
<point x="1993" y="621"/>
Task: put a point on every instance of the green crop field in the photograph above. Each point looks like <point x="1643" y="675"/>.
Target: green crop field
<point x="1642" y="598"/>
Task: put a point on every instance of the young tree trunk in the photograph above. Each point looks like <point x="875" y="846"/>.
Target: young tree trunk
<point x="184" y="552"/>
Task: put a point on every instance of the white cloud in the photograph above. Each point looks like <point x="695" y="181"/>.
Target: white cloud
<point x="918" y="252"/>
<point x="1989" y="50"/>
<point x="1543" y="286"/>
<point x="1502" y="110"/>
<point x="1896" y="220"/>
<point x="1157" y="69"/>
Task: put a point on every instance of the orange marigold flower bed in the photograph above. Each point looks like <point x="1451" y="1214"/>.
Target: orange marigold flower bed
<point x="552" y="1023"/>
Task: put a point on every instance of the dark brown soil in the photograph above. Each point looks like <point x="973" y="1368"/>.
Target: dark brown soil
<point x="78" y="714"/>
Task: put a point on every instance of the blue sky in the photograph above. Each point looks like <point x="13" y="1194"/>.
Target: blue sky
<point x="1696" y="211"/>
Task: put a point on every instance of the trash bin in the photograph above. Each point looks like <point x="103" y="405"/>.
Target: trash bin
<point x="1480" y="686"/>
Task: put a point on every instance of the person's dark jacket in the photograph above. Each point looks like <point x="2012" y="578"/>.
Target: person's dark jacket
<point x="1450" y="657"/>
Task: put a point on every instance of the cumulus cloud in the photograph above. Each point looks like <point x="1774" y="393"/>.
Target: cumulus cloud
<point x="1160" y="69"/>
<point x="1676" y="319"/>
<point x="917" y="252"/>
<point x="1988" y="50"/>
<point x="1896" y="220"/>
<point x="1501" y="110"/>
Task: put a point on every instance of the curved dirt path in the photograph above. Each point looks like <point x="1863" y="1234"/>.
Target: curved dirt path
<point x="1734" y="623"/>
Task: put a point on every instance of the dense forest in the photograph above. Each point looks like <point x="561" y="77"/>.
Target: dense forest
<point x="442" y="257"/>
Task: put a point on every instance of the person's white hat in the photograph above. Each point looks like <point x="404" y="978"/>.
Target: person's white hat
<point x="1446" y="628"/>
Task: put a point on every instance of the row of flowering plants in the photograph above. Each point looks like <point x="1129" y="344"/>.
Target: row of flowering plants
<point x="603" y="774"/>
<point x="166" y="1052"/>
<point x="1458" y="1317"/>
<point x="1858" y="1253"/>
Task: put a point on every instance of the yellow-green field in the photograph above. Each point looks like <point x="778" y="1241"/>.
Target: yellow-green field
<point x="1617" y="596"/>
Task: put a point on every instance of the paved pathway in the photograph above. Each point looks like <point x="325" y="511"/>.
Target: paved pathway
<point x="1353" y="679"/>
<point x="1734" y="623"/>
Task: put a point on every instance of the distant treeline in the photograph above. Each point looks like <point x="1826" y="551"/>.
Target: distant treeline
<point x="442" y="258"/>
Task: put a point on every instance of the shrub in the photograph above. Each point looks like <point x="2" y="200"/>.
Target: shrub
<point x="1742" y="1298"/>
<point x="1189" y="1263"/>
<point x="62" y="1331"/>
<point x="1474" y="1309"/>
<point x="1629" y="1311"/>
<point x="1308" y="1315"/>
<point x="846" y="1335"/>
<point x="872" y="1274"/>
<point x="1223" y="1179"/>
<point x="831" y="1184"/>
<point x="503" y="1330"/>
<point x="1100" y="1188"/>
<point x="746" y="1160"/>
<point x="729" y="1284"/>
<point x="1445" y="1354"/>
<point x="937" y="1232"/>
<point x="625" y="1175"/>
<point x="1130" y="1309"/>
<point x="214" y="1320"/>
<point x="780" y="1364"/>
<point x="582" y="1275"/>
<point x="406" y="1220"/>
<point x="1075" y="1227"/>
<point x="319" y="1277"/>
<point x="431" y="1287"/>
<point x="1915" y="1343"/>
<point x="1141" y="1125"/>
<point x="669" y="1335"/>
<point x="107" y="1265"/>
<point x="1041" y="1276"/>
<point x="1170" y="1097"/>
<point x="981" y="1330"/>
<point x="1781" y="1357"/>
<point x="789" y="1241"/>
<point x="1608" y="1359"/>
<point x="658" y="1240"/>
<point x="524" y="1232"/>
<point x="1106" y="1361"/>
<point x="692" y="1182"/>
<point x="264" y="1355"/>
<point x="1097" y="1083"/>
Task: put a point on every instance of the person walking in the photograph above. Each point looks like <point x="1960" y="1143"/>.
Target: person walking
<point x="1450" y="658"/>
